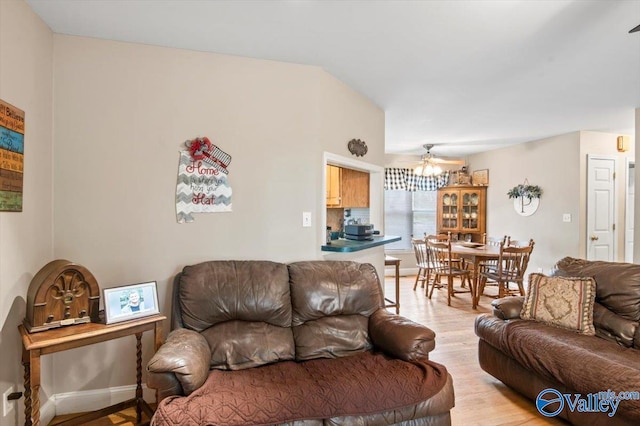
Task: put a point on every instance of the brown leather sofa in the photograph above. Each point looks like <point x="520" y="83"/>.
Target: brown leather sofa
<point x="532" y="357"/>
<point x="306" y="343"/>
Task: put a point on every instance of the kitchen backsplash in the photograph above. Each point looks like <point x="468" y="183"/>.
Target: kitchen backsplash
<point x="337" y="218"/>
<point x="359" y="215"/>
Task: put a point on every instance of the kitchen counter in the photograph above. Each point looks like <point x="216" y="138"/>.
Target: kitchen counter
<point x="346" y="246"/>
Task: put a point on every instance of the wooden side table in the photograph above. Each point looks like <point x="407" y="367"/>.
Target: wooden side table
<point x="393" y="261"/>
<point x="34" y="345"/>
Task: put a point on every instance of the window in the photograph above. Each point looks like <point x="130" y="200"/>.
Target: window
<point x="409" y="214"/>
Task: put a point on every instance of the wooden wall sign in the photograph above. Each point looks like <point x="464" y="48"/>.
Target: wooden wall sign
<point x="11" y="157"/>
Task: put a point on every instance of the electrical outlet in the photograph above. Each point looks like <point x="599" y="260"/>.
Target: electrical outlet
<point x="566" y="217"/>
<point x="7" y="406"/>
<point x="306" y="219"/>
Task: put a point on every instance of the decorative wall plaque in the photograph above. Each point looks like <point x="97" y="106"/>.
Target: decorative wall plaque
<point x="480" y="177"/>
<point x="357" y="147"/>
<point x="526" y="198"/>
<point x="62" y="293"/>
<point x="203" y="186"/>
<point x="11" y="157"/>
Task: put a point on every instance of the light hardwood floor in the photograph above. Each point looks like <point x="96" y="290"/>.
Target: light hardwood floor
<point x="481" y="400"/>
<point x="123" y="418"/>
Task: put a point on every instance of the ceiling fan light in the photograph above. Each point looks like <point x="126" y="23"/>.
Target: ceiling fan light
<point x="428" y="170"/>
<point x="418" y="170"/>
<point x="437" y="170"/>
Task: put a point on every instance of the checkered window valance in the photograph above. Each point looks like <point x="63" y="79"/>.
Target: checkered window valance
<point x="406" y="180"/>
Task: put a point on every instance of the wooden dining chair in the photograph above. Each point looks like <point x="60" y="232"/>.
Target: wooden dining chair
<point x="423" y="263"/>
<point x="517" y="243"/>
<point x="458" y="262"/>
<point x="430" y="275"/>
<point x="439" y="254"/>
<point x="420" y="250"/>
<point x="490" y="265"/>
<point x="512" y="265"/>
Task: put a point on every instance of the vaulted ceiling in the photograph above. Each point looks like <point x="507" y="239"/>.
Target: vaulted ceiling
<point x="464" y="75"/>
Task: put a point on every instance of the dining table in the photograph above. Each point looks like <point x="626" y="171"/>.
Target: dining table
<point x="475" y="253"/>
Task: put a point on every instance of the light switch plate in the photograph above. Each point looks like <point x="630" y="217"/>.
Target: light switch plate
<point x="306" y="219"/>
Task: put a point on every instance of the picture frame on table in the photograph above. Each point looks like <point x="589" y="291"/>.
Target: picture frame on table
<point x="480" y="177"/>
<point x="130" y="302"/>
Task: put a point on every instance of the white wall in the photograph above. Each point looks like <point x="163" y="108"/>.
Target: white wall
<point x="26" y="48"/>
<point x="636" y="228"/>
<point x="122" y="112"/>
<point x="553" y="165"/>
<point x="558" y="165"/>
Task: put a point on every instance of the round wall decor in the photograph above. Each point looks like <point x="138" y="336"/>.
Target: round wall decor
<point x="526" y="206"/>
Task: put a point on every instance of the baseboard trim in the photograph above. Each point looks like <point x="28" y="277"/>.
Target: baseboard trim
<point x="92" y="400"/>
<point x="47" y="412"/>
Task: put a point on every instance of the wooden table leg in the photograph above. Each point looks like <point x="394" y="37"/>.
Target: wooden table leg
<point x="139" y="398"/>
<point x="157" y="342"/>
<point x="397" y="287"/>
<point x="27" y="387"/>
<point x="392" y="261"/>
<point x="474" y="288"/>
<point x="32" y="380"/>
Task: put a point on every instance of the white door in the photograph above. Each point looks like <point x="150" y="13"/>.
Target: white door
<point x="600" y="208"/>
<point x="630" y="201"/>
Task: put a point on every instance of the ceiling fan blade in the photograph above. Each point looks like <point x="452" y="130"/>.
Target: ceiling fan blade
<point x="447" y="161"/>
<point x="634" y="30"/>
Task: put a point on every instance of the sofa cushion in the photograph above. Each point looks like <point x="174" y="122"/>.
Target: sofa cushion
<point x="362" y="384"/>
<point x="562" y="302"/>
<point x="613" y="327"/>
<point x="584" y="364"/>
<point x="242" y="308"/>
<point x="617" y="284"/>
<point x="332" y="302"/>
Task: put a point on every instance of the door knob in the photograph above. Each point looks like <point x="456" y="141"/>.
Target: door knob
<point x="594" y="238"/>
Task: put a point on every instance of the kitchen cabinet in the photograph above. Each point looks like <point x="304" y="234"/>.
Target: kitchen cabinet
<point x="333" y="186"/>
<point x="347" y="188"/>
<point x="462" y="210"/>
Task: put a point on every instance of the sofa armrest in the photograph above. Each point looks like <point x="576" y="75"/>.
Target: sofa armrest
<point x="400" y="337"/>
<point x="181" y="365"/>
<point x="508" y="307"/>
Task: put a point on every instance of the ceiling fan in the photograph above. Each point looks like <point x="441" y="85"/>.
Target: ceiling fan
<point x="634" y="30"/>
<point x="430" y="165"/>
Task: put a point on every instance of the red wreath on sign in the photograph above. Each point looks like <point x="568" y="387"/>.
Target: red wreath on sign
<point x="203" y="149"/>
<point x="199" y="147"/>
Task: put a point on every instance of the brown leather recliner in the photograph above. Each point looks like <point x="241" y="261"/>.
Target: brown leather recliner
<point x="258" y="342"/>
<point x="532" y="357"/>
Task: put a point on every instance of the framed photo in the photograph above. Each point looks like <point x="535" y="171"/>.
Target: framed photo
<point x="130" y="302"/>
<point x="481" y="177"/>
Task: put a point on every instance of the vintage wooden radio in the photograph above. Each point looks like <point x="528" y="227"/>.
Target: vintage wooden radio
<point x="61" y="293"/>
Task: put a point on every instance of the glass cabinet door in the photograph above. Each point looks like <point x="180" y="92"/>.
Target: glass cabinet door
<point x="450" y="210"/>
<point x="470" y="210"/>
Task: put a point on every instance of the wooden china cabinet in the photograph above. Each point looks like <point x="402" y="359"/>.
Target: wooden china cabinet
<point x="462" y="211"/>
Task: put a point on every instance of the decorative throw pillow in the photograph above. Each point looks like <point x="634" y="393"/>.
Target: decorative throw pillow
<point x="565" y="302"/>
